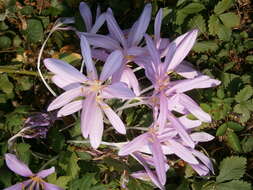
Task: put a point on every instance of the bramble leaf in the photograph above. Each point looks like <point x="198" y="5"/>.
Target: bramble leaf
<point x="244" y="94"/>
<point x="222" y="6"/>
<point x="234" y="185"/>
<point x="231" y="168"/>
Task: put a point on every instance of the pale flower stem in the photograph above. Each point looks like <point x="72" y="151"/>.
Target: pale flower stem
<point x="147" y="89"/>
<point x="137" y="69"/>
<point x="88" y="142"/>
<point x="82" y="66"/>
<point x="129" y="106"/>
<point x="38" y="63"/>
<point x="49" y="162"/>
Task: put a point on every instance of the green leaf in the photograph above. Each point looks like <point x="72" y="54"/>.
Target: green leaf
<point x="231" y="168"/>
<point x="244" y="94"/>
<point x="249" y="59"/>
<point x="235" y="126"/>
<point x="230" y="19"/>
<point x="221" y="130"/>
<point x="193" y="8"/>
<point x="213" y="24"/>
<point x="34" y="30"/>
<point x="205" y="46"/>
<point x="5" y="42"/>
<point x="244" y="111"/>
<point x="180" y="16"/>
<point x="222" y="6"/>
<point x="73" y="168"/>
<point x="5" y="85"/>
<point x="233" y="141"/>
<point x="23" y="151"/>
<point x="224" y="33"/>
<point x="234" y="185"/>
<point x="198" y="22"/>
<point x="247" y="144"/>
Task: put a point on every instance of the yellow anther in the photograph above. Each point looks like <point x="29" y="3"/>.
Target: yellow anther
<point x="129" y="57"/>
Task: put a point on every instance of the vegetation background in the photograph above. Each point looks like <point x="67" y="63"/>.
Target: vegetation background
<point x="224" y="51"/>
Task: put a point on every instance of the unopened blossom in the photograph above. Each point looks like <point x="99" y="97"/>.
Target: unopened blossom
<point x="88" y="93"/>
<point x="35" y="181"/>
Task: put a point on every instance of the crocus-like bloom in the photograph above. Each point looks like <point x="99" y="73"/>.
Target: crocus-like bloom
<point x="93" y="89"/>
<point x="127" y="44"/>
<point x="36" y="180"/>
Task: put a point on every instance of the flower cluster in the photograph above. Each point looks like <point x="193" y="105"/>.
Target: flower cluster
<point x="172" y="132"/>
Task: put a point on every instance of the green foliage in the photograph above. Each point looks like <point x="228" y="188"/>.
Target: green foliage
<point x="223" y="51"/>
<point x="231" y="168"/>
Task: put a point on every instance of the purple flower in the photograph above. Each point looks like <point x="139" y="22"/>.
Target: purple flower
<point x="87" y="17"/>
<point x="94" y="89"/>
<point x="36" y="180"/>
<point x="126" y="43"/>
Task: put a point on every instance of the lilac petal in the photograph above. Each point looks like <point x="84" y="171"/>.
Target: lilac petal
<point x="136" y="51"/>
<point x="158" y="23"/>
<point x="64" y="82"/>
<point x="152" y="176"/>
<point x="139" y="28"/>
<point x="130" y="79"/>
<point x="99" y="22"/>
<point x="86" y="15"/>
<point x="192" y="107"/>
<point x="49" y="186"/>
<point x="117" y="90"/>
<point x="189" y="84"/>
<point x="98" y="12"/>
<point x="181" y="131"/>
<point x="86" y="53"/>
<point x="204" y="159"/>
<point x="162" y="118"/>
<point x="201" y="137"/>
<point x="158" y="159"/>
<point x="64" y="69"/>
<point x="142" y="175"/>
<point x="97" y="127"/>
<point x="182" y="49"/>
<point x="19" y="186"/>
<point x="45" y="173"/>
<point x="99" y="54"/>
<point x="113" y="118"/>
<point x="70" y="108"/>
<point x="134" y="145"/>
<point x="182" y="152"/>
<point x="87" y="116"/>
<point x="200" y="169"/>
<point x="115" y="29"/>
<point x="188" y="123"/>
<point x="186" y="70"/>
<point x="17" y="166"/>
<point x="152" y="50"/>
<point x="174" y="104"/>
<point x="65" y="98"/>
<point x="102" y="41"/>
<point x="112" y="64"/>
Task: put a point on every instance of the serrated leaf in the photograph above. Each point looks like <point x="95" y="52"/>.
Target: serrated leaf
<point x="234" y="185"/>
<point x="23" y="151"/>
<point x="5" y="85"/>
<point x="249" y="59"/>
<point x="213" y="24"/>
<point x="193" y="8"/>
<point x="224" y="33"/>
<point x="230" y="19"/>
<point x="244" y="94"/>
<point x="198" y="22"/>
<point x="222" y="6"/>
<point x="73" y="168"/>
<point x="34" y="30"/>
<point x="180" y="16"/>
<point x="247" y="144"/>
<point x="231" y="168"/>
<point x="233" y="141"/>
<point x="205" y="46"/>
<point x="243" y="110"/>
